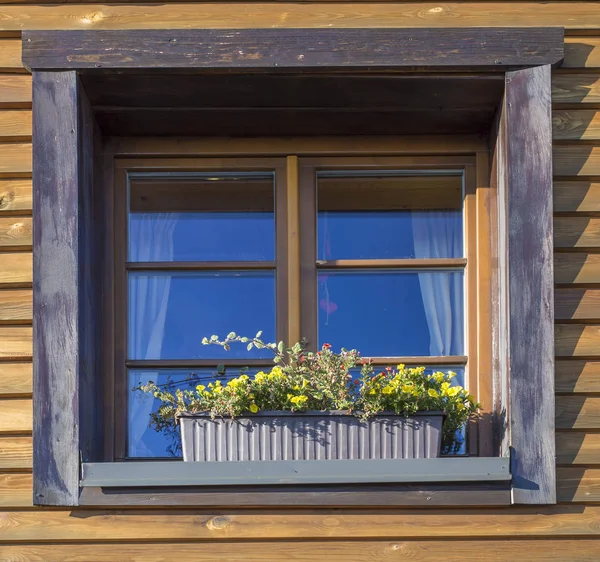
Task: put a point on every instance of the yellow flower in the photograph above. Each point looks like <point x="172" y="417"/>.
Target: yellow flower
<point x="260" y="377"/>
<point x="451" y="374"/>
<point x="454" y="390"/>
<point x="401" y="366"/>
<point x="372" y="391"/>
<point x="253" y="408"/>
<point x="276" y="371"/>
<point x="387" y="390"/>
<point x="299" y="400"/>
<point x="200" y="387"/>
<point x="407" y="388"/>
<point x="433" y="393"/>
<point x="297" y="387"/>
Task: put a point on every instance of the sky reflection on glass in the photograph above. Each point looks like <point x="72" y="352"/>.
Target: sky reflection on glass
<point x="170" y="313"/>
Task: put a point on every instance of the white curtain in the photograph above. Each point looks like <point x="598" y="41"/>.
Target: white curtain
<point x="437" y="234"/>
<point x="150" y="239"/>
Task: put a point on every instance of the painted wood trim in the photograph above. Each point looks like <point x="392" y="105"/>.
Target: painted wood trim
<point x="295" y="472"/>
<point x="530" y="279"/>
<point x="55" y="282"/>
<point x="489" y="48"/>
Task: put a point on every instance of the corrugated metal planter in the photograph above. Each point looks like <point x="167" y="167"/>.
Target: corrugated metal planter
<point x="268" y="436"/>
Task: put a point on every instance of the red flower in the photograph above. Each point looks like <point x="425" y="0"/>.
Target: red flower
<point x="356" y="381"/>
<point x="388" y="369"/>
<point x="326" y="346"/>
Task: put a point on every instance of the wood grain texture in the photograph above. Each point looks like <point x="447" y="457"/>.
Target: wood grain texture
<point x="15" y="197"/>
<point x="576" y="304"/>
<point x="15" y="233"/>
<point x="577" y="412"/>
<point x="218" y="525"/>
<point x="15" y="490"/>
<point x="576" y="196"/>
<point x="579" y="485"/>
<point x="576" y="125"/>
<point x="10" y="56"/>
<point x="16" y="453"/>
<point x="577" y="340"/>
<point x="577" y="376"/>
<point x="15" y="91"/>
<point x="358" y="551"/>
<point x="582" y="52"/>
<point x="576" y="232"/>
<point x="15" y="343"/>
<point x="15" y="416"/>
<point x="578" y="15"/>
<point x="15" y="160"/>
<point x="15" y="306"/>
<point x="576" y="269"/>
<point x="577" y="448"/>
<point x="56" y="177"/>
<point x="531" y="328"/>
<point x="15" y="379"/>
<point x="576" y="88"/>
<point x="293" y="48"/>
<point x="16" y="270"/>
<point x="15" y="125"/>
<point x="581" y="160"/>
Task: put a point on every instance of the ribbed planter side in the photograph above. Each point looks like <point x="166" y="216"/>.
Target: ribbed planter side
<point x="268" y="436"/>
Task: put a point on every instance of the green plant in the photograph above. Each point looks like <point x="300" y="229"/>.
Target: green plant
<point x="303" y="380"/>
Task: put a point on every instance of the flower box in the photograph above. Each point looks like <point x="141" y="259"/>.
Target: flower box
<point x="312" y="435"/>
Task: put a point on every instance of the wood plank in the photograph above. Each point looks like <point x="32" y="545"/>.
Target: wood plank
<point x="217" y="525"/>
<point x="578" y="160"/>
<point x="15" y="91"/>
<point x="576" y="448"/>
<point x="579" y="15"/>
<point x="15" y="196"/>
<point x="363" y="551"/>
<point x="16" y="270"/>
<point x="15" y="125"/>
<point x="577" y="269"/>
<point x="15" y="343"/>
<point x="582" y="52"/>
<point x="576" y="124"/>
<point x="16" y="490"/>
<point x="573" y="304"/>
<point x="15" y="160"/>
<point x="576" y="88"/>
<point x="15" y="379"/>
<point x="577" y="340"/>
<point x="577" y="376"/>
<point x="577" y="412"/>
<point x="15" y="416"/>
<point x="15" y="233"/>
<point x="578" y="485"/>
<point x="56" y="176"/>
<point x="528" y="193"/>
<point x="15" y="306"/>
<point x="292" y="48"/>
<point x="576" y="232"/>
<point x="576" y="196"/>
<point x="10" y="56"/>
<point x="16" y="453"/>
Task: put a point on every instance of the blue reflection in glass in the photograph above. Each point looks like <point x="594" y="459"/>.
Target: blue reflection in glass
<point x="208" y="236"/>
<point x="391" y="313"/>
<point x="389" y="234"/>
<point x="145" y="441"/>
<point x="170" y="313"/>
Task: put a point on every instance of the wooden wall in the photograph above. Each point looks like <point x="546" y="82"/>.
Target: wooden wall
<point x="568" y="531"/>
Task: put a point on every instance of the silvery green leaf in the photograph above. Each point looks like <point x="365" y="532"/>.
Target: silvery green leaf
<point x="249" y="346"/>
<point x="231" y="335"/>
<point x="258" y="334"/>
<point x="204" y="341"/>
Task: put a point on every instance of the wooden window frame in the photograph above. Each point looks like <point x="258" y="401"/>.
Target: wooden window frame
<point x="69" y="204"/>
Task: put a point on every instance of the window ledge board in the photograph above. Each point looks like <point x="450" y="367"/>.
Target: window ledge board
<point x="393" y="471"/>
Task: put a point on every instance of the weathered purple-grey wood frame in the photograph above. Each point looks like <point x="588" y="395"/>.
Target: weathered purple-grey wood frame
<point x="67" y="290"/>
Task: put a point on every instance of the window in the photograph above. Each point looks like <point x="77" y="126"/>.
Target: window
<point x="464" y="92"/>
<point x="382" y="263"/>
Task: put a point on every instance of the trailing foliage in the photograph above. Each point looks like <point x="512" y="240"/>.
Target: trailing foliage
<point x="302" y="380"/>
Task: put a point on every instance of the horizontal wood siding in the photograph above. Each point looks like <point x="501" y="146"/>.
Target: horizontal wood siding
<point x="566" y="532"/>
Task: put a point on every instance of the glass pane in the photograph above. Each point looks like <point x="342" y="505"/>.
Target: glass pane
<point x="221" y="217"/>
<point x="389" y="216"/>
<point x="145" y="441"/>
<point x="170" y="312"/>
<point x="391" y="313"/>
